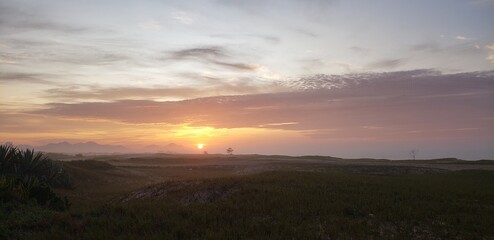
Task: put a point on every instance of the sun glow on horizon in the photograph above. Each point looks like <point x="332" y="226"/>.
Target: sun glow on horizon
<point x="200" y="146"/>
<point x="192" y="132"/>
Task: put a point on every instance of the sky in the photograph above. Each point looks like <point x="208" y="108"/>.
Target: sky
<point x="347" y="78"/>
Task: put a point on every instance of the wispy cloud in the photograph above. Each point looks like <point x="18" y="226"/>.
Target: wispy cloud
<point x="19" y="77"/>
<point x="267" y="38"/>
<point x="238" y="66"/>
<point x="465" y="47"/>
<point x="14" y="18"/>
<point x="182" y="17"/>
<point x="360" y="50"/>
<point x="311" y="8"/>
<point x="201" y="52"/>
<point x="151" y="25"/>
<point x="483" y="1"/>
<point x="254" y="6"/>
<point x="27" y="51"/>
<point x="6" y="58"/>
<point x="386" y="64"/>
<point x="427" y="46"/>
<point x="462" y="38"/>
<point x="5" y="61"/>
<point x="372" y="128"/>
<point x="214" y="55"/>
<point x="305" y="32"/>
<point x="490" y="49"/>
<point x="324" y="81"/>
<point x="213" y="87"/>
<point x="346" y="66"/>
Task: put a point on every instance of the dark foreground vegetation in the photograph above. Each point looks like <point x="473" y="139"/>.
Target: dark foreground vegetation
<point x="296" y="202"/>
<point x="27" y="177"/>
<point x="27" y="180"/>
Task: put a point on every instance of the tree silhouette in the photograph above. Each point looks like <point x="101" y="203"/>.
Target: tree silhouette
<point x="229" y="151"/>
<point x="414" y="153"/>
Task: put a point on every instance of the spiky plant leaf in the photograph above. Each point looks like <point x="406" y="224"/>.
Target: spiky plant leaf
<point x="26" y="175"/>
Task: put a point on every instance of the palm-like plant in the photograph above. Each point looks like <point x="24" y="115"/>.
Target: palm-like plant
<point x="28" y="163"/>
<point x="7" y="156"/>
<point x="26" y="174"/>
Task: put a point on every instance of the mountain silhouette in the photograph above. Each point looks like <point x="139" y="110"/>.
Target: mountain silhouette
<point x="83" y="147"/>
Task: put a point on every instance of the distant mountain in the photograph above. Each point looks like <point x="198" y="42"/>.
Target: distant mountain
<point x="170" y="148"/>
<point x="93" y="147"/>
<point x="84" y="147"/>
<point x="25" y="146"/>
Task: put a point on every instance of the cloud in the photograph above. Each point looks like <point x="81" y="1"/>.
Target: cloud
<point x="202" y="52"/>
<point x="6" y="58"/>
<point x="462" y="38"/>
<point x="151" y="25"/>
<point x="435" y="48"/>
<point x="372" y="127"/>
<point x="182" y="17"/>
<point x="16" y="18"/>
<point x="92" y="57"/>
<point x="318" y="81"/>
<point x="490" y="49"/>
<point x="40" y="26"/>
<point x="432" y="47"/>
<point x="400" y="101"/>
<point x="214" y="55"/>
<point x="18" y="77"/>
<point x="487" y="2"/>
<point x="360" y="50"/>
<point x="24" y="52"/>
<point x="238" y="66"/>
<point x="309" y="8"/>
<point x="210" y="87"/>
<point x="267" y="38"/>
<point x="5" y="61"/>
<point x="324" y="81"/>
<point x="253" y="6"/>
<point x="97" y="93"/>
<point x="386" y="64"/>
<point x="312" y="64"/>
<point x="347" y="67"/>
<point x="306" y="32"/>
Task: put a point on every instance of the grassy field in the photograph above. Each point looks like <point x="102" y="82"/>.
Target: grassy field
<point x="265" y="197"/>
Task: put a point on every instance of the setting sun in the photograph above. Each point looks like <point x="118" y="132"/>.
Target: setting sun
<point x="305" y="90"/>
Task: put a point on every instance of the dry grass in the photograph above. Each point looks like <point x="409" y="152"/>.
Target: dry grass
<point x="300" y="198"/>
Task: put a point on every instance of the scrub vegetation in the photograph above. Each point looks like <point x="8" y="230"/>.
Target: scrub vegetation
<point x="289" y="199"/>
<point x="27" y="176"/>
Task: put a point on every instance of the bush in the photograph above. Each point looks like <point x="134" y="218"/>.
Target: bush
<point x="29" y="176"/>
